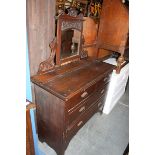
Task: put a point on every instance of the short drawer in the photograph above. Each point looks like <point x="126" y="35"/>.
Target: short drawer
<point x="80" y="97"/>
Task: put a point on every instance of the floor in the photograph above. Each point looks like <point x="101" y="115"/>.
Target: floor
<point x="102" y="134"/>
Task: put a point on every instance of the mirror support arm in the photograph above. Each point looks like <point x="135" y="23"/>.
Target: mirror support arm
<point x="49" y="63"/>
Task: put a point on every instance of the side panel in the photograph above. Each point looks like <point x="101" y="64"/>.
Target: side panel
<point x="50" y="118"/>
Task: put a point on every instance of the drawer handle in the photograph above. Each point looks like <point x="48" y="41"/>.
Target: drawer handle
<point x="99" y="104"/>
<point x="82" y="108"/>
<point x="105" y="79"/>
<point x="79" y="123"/>
<point x="102" y="91"/>
<point x="84" y="94"/>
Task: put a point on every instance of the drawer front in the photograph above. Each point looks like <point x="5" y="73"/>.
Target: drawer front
<point x="104" y="81"/>
<point x="101" y="90"/>
<point x="76" y="112"/>
<point x="80" y="97"/>
<point x="82" y="108"/>
<point x="74" y="127"/>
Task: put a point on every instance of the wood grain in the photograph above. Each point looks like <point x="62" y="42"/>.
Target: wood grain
<point x="40" y="30"/>
<point x="61" y="94"/>
<point x="29" y="136"/>
<point x="114" y="25"/>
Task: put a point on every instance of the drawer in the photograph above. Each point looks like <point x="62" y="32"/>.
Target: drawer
<point x="101" y="89"/>
<point x="104" y="81"/>
<point x="74" y="127"/>
<point x="80" y="97"/>
<point x="82" y="108"/>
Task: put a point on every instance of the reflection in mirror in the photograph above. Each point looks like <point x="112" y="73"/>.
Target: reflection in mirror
<point x="70" y="41"/>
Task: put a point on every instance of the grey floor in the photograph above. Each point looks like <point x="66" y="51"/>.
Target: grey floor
<point x="102" y="134"/>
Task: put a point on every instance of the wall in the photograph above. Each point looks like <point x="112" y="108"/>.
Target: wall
<point x="28" y="83"/>
<point x="41" y="31"/>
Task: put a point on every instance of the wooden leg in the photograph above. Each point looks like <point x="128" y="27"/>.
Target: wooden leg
<point x="61" y="152"/>
<point x="100" y="110"/>
<point x="40" y="139"/>
<point x="119" y="62"/>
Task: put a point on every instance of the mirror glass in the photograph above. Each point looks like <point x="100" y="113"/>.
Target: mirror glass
<point x="70" y="42"/>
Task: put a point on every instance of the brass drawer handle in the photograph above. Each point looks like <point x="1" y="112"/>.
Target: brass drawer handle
<point x="84" y="94"/>
<point x="102" y="91"/>
<point x="81" y="109"/>
<point x="99" y="104"/>
<point x="79" y="123"/>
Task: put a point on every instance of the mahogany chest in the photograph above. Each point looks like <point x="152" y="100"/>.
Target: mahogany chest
<point x="67" y="97"/>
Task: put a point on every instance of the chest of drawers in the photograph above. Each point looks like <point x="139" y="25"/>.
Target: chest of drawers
<point x="67" y="98"/>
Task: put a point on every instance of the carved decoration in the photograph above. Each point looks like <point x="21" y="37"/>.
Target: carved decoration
<point x="72" y="12"/>
<point x="49" y="63"/>
<point x="84" y="54"/>
<point x="70" y="24"/>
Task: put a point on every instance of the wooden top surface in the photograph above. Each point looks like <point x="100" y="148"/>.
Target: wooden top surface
<point x="68" y="80"/>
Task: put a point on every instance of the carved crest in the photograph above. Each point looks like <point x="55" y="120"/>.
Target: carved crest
<point x="72" y="12"/>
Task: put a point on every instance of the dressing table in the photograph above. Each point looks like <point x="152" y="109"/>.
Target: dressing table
<point x="69" y="87"/>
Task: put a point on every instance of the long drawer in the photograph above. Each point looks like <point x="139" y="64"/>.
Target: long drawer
<point x="74" y="127"/>
<point x="86" y="93"/>
<point x="80" y="97"/>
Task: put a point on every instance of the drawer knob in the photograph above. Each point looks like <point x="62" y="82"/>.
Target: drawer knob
<point x="102" y="91"/>
<point x="99" y="104"/>
<point x="105" y="79"/>
<point x="84" y="94"/>
<point x="81" y="109"/>
<point x="79" y="123"/>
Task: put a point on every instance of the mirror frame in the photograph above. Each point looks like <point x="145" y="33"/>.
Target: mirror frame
<point x="66" y="22"/>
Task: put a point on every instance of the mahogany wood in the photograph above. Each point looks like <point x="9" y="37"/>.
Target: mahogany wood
<point x="81" y="107"/>
<point x="74" y="127"/>
<point x="67" y="98"/>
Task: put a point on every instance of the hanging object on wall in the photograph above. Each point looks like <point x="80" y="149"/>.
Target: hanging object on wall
<point x="89" y="8"/>
<point x="95" y="8"/>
